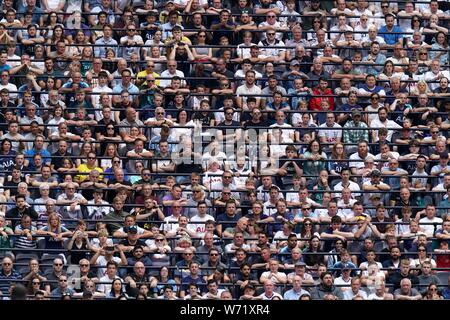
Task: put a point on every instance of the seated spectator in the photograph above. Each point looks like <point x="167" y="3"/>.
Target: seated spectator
<point x="406" y="292"/>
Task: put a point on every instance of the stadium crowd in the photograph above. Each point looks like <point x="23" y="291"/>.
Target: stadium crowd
<point x="247" y="150"/>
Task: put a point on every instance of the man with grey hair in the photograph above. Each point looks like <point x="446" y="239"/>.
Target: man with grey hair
<point x="117" y="75"/>
<point x="371" y="37"/>
<point x="269" y="292"/>
<point x="296" y="292"/>
<point x="40" y="203"/>
<point x="7" y="275"/>
<point x="50" y="207"/>
<point x="296" y="41"/>
<point x="71" y="202"/>
<point x="317" y="72"/>
<point x="406" y="292"/>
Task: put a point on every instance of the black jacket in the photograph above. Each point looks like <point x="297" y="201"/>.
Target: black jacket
<point x="15" y="214"/>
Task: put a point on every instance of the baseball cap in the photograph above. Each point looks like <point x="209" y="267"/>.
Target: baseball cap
<point x="356" y="112"/>
<point x="98" y="191"/>
<point x="132" y="229"/>
<point x="249" y="286"/>
<point x="375" y="195"/>
<point x="375" y="172"/>
<point x="295" y="62"/>
<point x="346" y="266"/>
<point x="300" y="264"/>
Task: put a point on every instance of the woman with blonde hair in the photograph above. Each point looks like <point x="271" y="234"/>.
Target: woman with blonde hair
<point x="160" y="250"/>
<point x="101" y="241"/>
<point x="421" y="88"/>
<point x="109" y="154"/>
<point x="423" y="59"/>
<point x="338" y="160"/>
<point x="55" y="233"/>
<point x="86" y="148"/>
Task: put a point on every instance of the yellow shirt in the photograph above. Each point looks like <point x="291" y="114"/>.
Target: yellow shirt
<point x="83" y="168"/>
<point x="143" y="74"/>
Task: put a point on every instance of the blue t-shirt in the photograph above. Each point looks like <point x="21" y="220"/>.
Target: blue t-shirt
<point x="46" y="157"/>
<point x="391" y="37"/>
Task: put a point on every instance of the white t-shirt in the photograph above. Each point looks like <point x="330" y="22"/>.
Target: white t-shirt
<point x="353" y="186"/>
<point x="330" y="134"/>
<point x="244" y="90"/>
<point x="106" y="284"/>
<point x="343" y="284"/>
<point x="281" y="275"/>
<point x="101" y="265"/>
<point x="429" y="228"/>
<point x="12" y="88"/>
<point x="264" y="297"/>
<point x="96" y="91"/>
<point x="169" y="224"/>
<point x="358" y="164"/>
<point x="199" y="228"/>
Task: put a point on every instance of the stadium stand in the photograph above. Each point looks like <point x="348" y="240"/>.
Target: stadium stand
<point x="245" y="149"/>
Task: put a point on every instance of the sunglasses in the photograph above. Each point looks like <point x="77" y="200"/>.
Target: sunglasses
<point x="158" y="240"/>
<point x="57" y="264"/>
